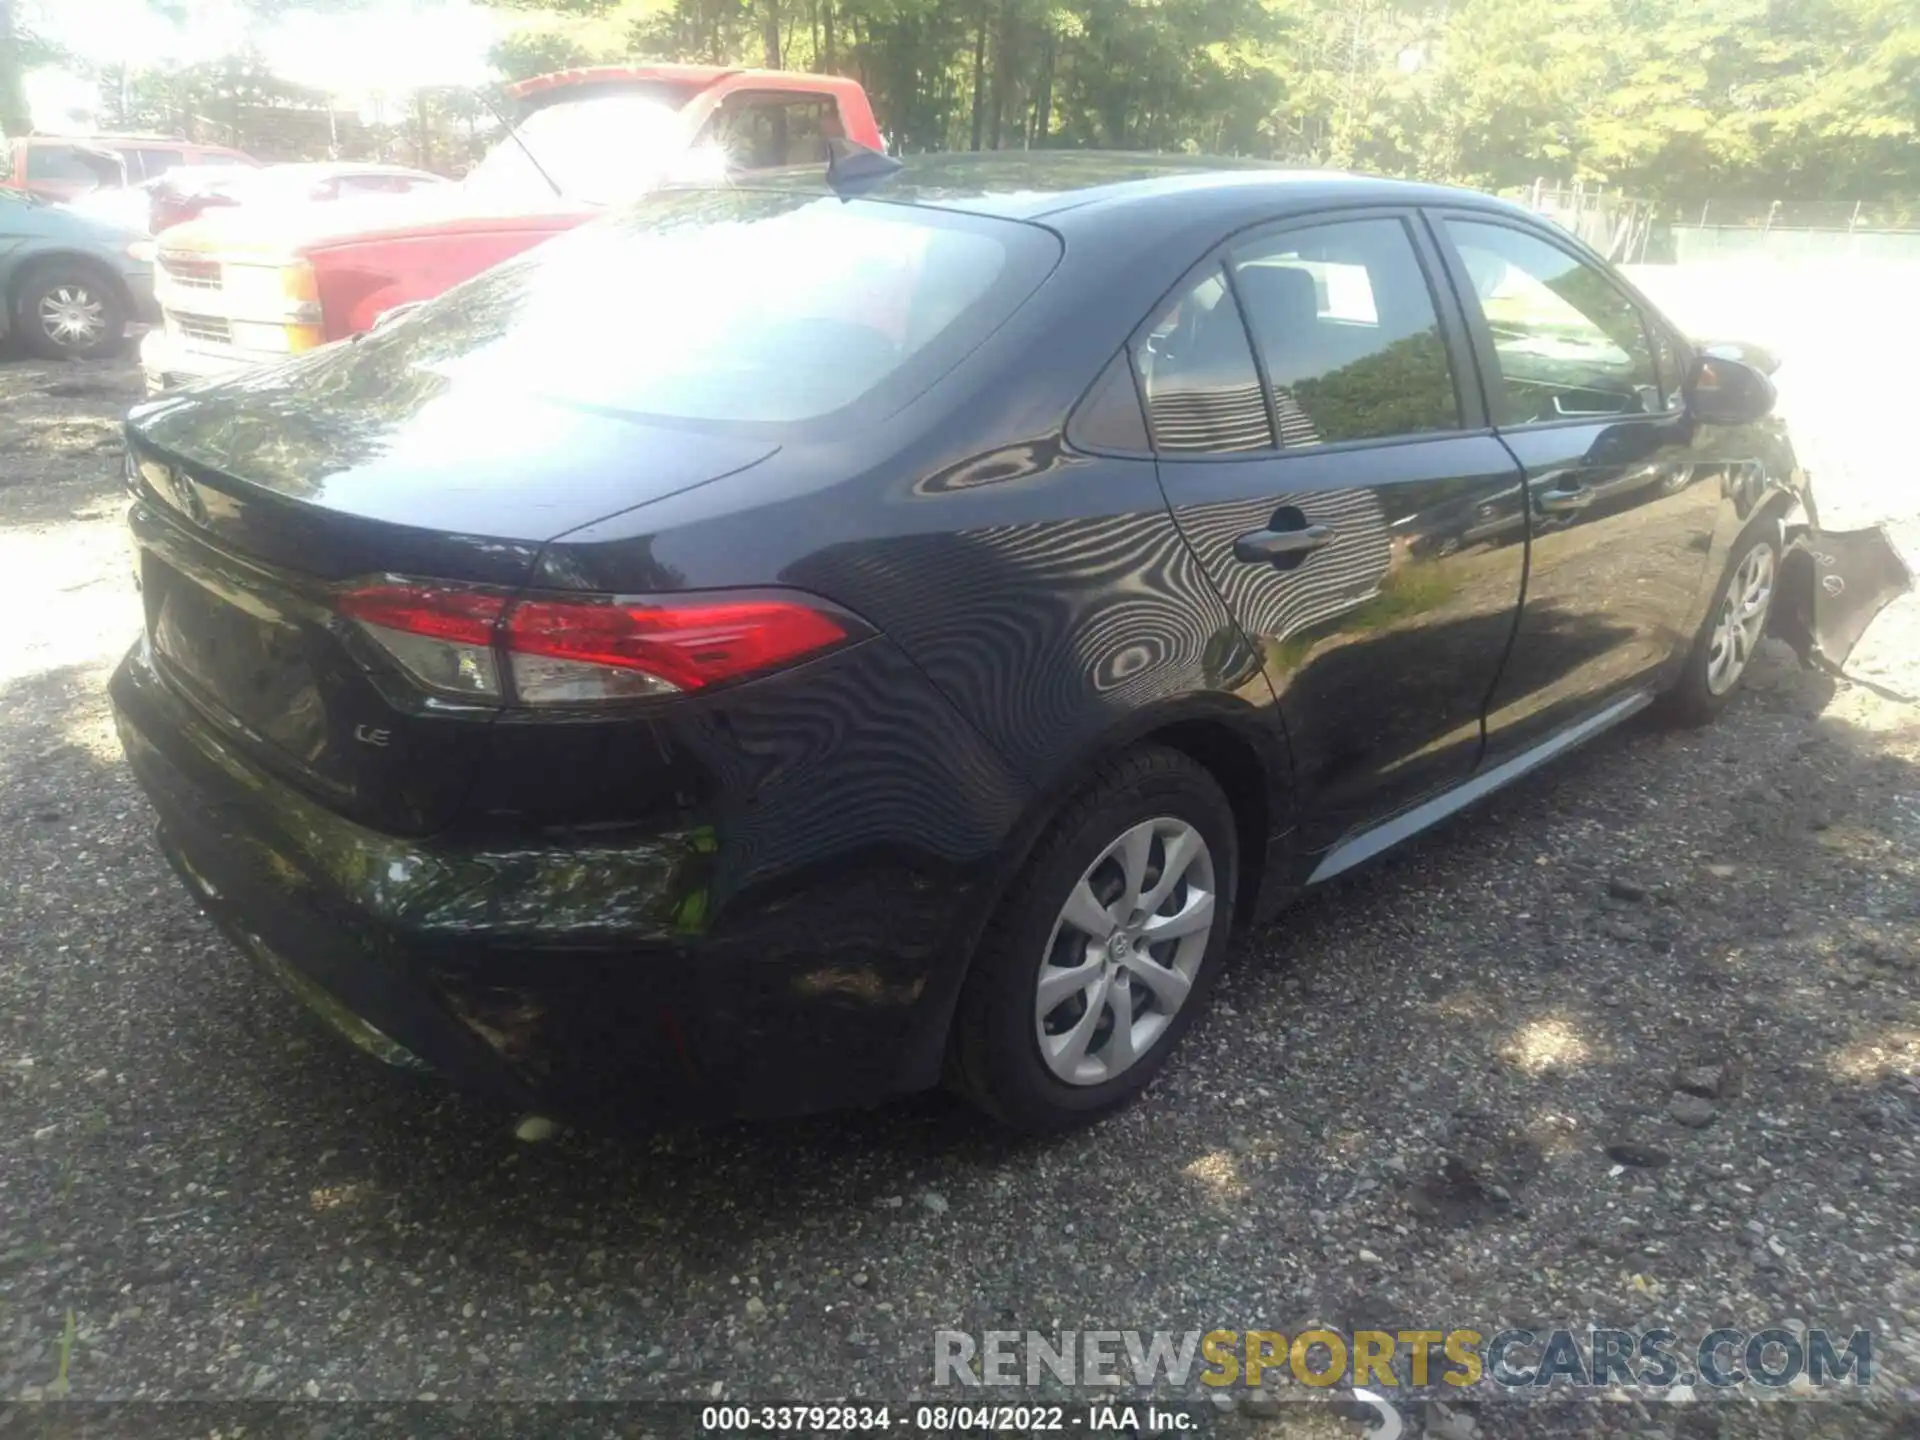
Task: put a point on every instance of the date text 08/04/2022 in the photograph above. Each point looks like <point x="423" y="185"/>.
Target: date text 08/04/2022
<point x="1102" y="1418"/>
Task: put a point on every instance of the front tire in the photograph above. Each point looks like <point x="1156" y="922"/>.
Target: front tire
<point x="1104" y="951"/>
<point x="1723" y="651"/>
<point x="68" y="312"/>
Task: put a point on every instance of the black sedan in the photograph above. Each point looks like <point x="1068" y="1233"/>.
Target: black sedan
<point x="775" y="649"/>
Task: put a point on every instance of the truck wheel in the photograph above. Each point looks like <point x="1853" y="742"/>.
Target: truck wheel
<point x="68" y="312"/>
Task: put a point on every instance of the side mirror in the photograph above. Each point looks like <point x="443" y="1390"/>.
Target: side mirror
<point x="1746" y="352"/>
<point x="1721" y="391"/>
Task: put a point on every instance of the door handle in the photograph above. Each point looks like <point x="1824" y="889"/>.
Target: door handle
<point x="1563" y="502"/>
<point x="1259" y="547"/>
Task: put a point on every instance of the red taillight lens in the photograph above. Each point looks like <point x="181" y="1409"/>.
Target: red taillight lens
<point x="566" y="649"/>
<point x="465" y="616"/>
<point x="688" y="644"/>
<point x="441" y="635"/>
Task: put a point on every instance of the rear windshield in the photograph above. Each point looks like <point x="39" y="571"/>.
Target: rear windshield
<point x="600" y="149"/>
<point x="735" y="306"/>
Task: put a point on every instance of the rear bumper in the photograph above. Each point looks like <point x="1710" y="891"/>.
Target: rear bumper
<point x="590" y="981"/>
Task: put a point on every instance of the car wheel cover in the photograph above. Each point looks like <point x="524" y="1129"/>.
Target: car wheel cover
<point x="1741" y="621"/>
<point x="1124" y="951"/>
<point x="72" y="316"/>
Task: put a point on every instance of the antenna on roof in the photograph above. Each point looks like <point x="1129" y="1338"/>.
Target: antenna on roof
<point x="513" y="134"/>
<point x="853" y="168"/>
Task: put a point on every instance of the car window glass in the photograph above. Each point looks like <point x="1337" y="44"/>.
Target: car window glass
<point x="1197" y="369"/>
<point x="58" y="162"/>
<point x="1346" y="329"/>
<point x="772" y="308"/>
<point x="760" y="132"/>
<point x="1110" y="417"/>
<point x="1568" y="342"/>
<point x="1668" y="355"/>
<point x="155" y="163"/>
<point x="603" y="149"/>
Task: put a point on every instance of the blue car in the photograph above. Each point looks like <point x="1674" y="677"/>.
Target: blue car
<point x="72" y="284"/>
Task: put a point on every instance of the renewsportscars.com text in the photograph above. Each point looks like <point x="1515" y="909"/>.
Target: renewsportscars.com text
<point x="1393" y="1359"/>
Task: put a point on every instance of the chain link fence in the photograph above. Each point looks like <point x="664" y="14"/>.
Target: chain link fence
<point x="1618" y="226"/>
<point x="1852" y="216"/>
<point x="1632" y="231"/>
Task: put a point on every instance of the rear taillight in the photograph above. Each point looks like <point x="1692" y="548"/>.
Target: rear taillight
<point x="441" y="635"/>
<point x="577" y="649"/>
<point x="562" y="649"/>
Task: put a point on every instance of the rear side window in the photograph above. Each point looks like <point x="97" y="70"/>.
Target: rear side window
<point x="1347" y="333"/>
<point x="757" y="307"/>
<point x="1110" y="417"/>
<point x="767" y="132"/>
<point x="1203" y="393"/>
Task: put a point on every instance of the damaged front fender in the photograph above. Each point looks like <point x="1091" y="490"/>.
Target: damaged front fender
<point x="1832" y="585"/>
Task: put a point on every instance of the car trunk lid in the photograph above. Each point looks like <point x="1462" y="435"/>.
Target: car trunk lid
<point x="258" y="502"/>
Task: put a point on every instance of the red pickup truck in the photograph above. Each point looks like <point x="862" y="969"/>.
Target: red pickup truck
<point x="250" y="286"/>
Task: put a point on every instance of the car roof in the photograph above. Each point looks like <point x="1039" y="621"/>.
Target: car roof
<point x="99" y="137"/>
<point x="114" y="139"/>
<point x="670" y="72"/>
<point x="1039" y="184"/>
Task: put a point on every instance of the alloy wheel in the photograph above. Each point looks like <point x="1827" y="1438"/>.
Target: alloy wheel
<point x="1124" y="951"/>
<point x="72" y="316"/>
<point x="1742" y="619"/>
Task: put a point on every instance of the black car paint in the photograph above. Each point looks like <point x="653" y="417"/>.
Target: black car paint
<point x="765" y="899"/>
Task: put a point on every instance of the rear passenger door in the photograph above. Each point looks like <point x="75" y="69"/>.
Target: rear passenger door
<point x="1327" y="457"/>
<point x="1621" y="507"/>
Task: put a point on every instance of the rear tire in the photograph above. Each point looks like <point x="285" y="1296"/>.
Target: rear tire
<point x="1037" y="1039"/>
<point x="69" y="312"/>
<point x="1722" y="652"/>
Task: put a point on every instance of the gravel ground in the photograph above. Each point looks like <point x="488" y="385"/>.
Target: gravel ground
<point x="1400" y="1110"/>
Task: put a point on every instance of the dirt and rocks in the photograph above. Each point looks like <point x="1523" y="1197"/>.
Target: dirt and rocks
<point x="1635" y="1044"/>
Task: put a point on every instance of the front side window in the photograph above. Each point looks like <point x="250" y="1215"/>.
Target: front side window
<point x="1671" y="358"/>
<point x="1569" y="344"/>
<point x="1203" y="393"/>
<point x="1347" y="333"/>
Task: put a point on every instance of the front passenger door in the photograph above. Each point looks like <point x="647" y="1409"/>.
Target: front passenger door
<point x="1620" y="520"/>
